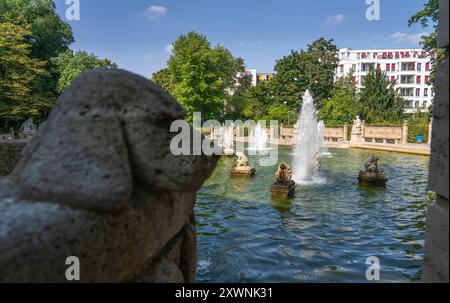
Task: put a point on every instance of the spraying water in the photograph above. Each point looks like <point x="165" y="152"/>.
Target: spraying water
<point x="228" y="137"/>
<point x="258" y="138"/>
<point x="310" y="144"/>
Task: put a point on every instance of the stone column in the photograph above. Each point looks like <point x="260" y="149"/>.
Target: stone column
<point x="345" y="134"/>
<point x="435" y="268"/>
<point x="430" y="131"/>
<point x="405" y="130"/>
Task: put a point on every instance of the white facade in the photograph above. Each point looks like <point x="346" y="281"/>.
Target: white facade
<point x="408" y="68"/>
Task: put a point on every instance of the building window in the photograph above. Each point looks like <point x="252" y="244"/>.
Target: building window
<point x="393" y="79"/>
<point x="417" y="105"/>
<point x="424" y="104"/>
<point x="417" y="92"/>
<point x="427" y="79"/>
<point x="419" y="67"/>
<point x="378" y="66"/>
<point x="388" y="67"/>
<point x="427" y="66"/>
<point x="425" y="93"/>
<point x="393" y="67"/>
<point x="418" y="79"/>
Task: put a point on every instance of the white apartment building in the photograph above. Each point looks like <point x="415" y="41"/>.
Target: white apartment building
<point x="408" y="68"/>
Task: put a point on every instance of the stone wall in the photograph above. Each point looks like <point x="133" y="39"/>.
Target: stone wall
<point x="98" y="182"/>
<point x="10" y="153"/>
<point x="436" y="246"/>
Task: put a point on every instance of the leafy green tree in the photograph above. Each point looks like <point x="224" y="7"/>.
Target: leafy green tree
<point x="162" y="78"/>
<point x="50" y="36"/>
<point x="343" y="106"/>
<point x="379" y="100"/>
<point x="70" y="65"/>
<point x="419" y="124"/>
<point x="291" y="79"/>
<point x="18" y="73"/>
<point x="281" y="113"/>
<point x="238" y="99"/>
<point x="312" y="69"/>
<point x="201" y="74"/>
<point x="429" y="15"/>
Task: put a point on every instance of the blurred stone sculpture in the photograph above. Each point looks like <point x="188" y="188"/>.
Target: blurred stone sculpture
<point x="372" y="175"/>
<point x="28" y="129"/>
<point x="98" y="181"/>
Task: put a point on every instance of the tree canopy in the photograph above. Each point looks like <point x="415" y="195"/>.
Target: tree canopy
<point x="49" y="36"/>
<point x="429" y="15"/>
<point x="70" y="65"/>
<point x="343" y="106"/>
<point x="312" y="69"/>
<point x="379" y="100"/>
<point x="18" y="73"/>
<point x="199" y="75"/>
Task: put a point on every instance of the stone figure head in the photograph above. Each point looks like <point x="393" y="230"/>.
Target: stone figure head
<point x="107" y="138"/>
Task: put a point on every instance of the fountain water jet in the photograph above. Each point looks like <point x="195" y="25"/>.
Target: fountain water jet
<point x="258" y="138"/>
<point x="310" y="144"/>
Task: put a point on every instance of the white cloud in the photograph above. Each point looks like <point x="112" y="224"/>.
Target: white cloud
<point x="169" y="48"/>
<point x="251" y="43"/>
<point x="156" y="11"/>
<point x="149" y="56"/>
<point x="336" y="19"/>
<point x="414" y="39"/>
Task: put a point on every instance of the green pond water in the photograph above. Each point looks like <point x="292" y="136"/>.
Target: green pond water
<point x="323" y="234"/>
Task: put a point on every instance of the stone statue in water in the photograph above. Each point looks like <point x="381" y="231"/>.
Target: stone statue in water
<point x="242" y="160"/>
<point x="283" y="174"/>
<point x="242" y="167"/>
<point x="284" y="187"/>
<point x="371" y="165"/>
<point x="372" y="175"/>
<point x="28" y="129"/>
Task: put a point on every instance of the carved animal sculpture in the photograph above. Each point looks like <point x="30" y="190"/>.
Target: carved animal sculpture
<point x="283" y="174"/>
<point x="242" y="160"/>
<point x="371" y="165"/>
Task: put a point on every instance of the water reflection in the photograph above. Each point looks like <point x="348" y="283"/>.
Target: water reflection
<point x="324" y="233"/>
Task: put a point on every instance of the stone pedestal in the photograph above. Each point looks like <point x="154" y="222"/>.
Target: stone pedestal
<point x="405" y="130"/>
<point x="283" y="191"/>
<point x="243" y="171"/>
<point x="371" y="178"/>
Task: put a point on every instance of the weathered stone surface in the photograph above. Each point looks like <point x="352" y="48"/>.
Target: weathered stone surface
<point x="177" y="262"/>
<point x="98" y="181"/>
<point x="108" y="133"/>
<point x="435" y="268"/>
<point x="36" y="238"/>
<point x="439" y="162"/>
<point x="436" y="245"/>
<point x="443" y="24"/>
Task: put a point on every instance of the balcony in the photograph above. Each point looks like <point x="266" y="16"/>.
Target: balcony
<point x="408" y="67"/>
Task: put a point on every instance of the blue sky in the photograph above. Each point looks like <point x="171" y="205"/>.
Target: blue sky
<point x="136" y="33"/>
